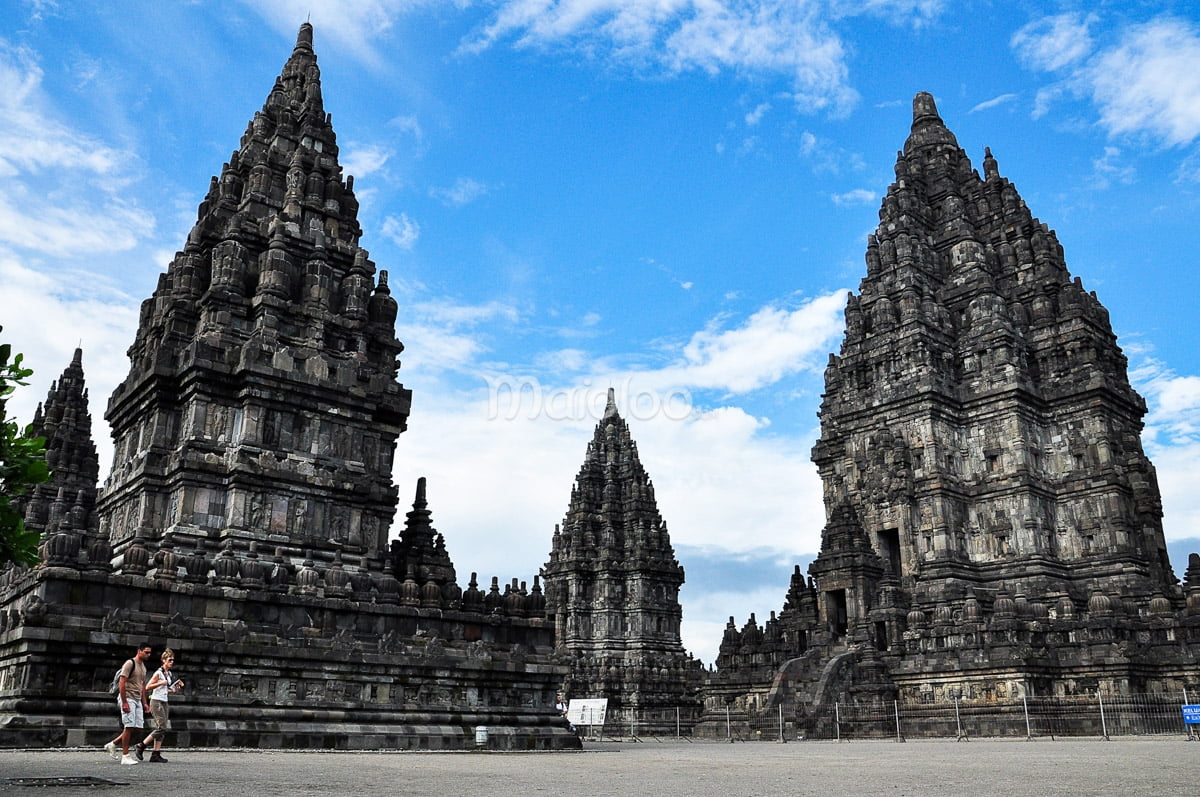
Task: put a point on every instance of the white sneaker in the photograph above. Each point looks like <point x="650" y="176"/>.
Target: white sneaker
<point x="111" y="748"/>
<point x="128" y="758"/>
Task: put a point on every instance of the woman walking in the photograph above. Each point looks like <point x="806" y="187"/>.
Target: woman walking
<point x="161" y="684"/>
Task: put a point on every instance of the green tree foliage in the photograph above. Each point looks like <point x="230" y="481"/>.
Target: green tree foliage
<point x="22" y="465"/>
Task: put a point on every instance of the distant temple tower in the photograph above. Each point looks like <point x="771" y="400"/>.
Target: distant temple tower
<point x="612" y="585"/>
<point x="63" y="509"/>
<point x="261" y="402"/>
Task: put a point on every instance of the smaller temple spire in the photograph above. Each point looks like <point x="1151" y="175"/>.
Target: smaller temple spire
<point x="420" y="549"/>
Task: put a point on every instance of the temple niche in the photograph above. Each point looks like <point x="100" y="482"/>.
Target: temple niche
<point x="245" y="520"/>
<point x="991" y="514"/>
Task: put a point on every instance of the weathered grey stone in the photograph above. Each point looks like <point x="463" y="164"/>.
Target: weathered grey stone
<point x="612" y="588"/>
<point x="262" y="409"/>
<point x="994" y="526"/>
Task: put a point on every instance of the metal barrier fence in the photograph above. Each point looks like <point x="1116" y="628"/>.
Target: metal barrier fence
<point x="1092" y="715"/>
<point x="1027" y="717"/>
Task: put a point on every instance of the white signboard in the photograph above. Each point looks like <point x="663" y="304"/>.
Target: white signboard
<point x="589" y="711"/>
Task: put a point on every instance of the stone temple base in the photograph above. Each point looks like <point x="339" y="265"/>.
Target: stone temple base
<point x="272" y="670"/>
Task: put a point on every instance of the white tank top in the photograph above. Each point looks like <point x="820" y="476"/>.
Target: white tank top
<point x="160" y="692"/>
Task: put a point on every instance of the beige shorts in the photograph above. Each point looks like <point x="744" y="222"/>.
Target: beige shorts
<point x="134" y="717"/>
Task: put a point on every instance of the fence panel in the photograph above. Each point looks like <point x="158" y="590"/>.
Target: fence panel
<point x="1031" y="717"/>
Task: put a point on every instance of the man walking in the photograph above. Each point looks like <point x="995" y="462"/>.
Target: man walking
<point x="132" y="702"/>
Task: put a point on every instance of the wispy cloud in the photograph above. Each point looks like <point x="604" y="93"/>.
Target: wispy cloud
<point x="464" y="191"/>
<point x="403" y="231"/>
<point x="1054" y="42"/>
<point x="755" y="116"/>
<point x="826" y="156"/>
<point x="62" y="186"/>
<point x="444" y="335"/>
<point x="353" y="25"/>
<point x="1150" y="82"/>
<point x="993" y="102"/>
<point x="361" y="160"/>
<point x="1109" y="169"/>
<point x="858" y="196"/>
<point x="1145" y="84"/>
<point x="792" y="38"/>
<point x="773" y="342"/>
<point x="903" y="13"/>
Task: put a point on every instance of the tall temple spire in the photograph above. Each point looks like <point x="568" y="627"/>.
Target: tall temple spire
<point x="992" y="521"/>
<point x="1006" y="444"/>
<point x="266" y="359"/>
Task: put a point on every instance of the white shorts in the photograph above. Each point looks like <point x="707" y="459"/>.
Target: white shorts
<point x="133" y="718"/>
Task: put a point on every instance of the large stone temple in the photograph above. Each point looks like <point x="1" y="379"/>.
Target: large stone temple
<point x="612" y="588"/>
<point x="245" y="520"/>
<point x="994" y="528"/>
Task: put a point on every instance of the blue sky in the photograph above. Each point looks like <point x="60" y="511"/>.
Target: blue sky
<point x="669" y="197"/>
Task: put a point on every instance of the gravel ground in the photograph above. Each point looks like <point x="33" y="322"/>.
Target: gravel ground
<point x="702" y="769"/>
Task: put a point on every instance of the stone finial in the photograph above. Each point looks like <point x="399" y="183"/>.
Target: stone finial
<point x="928" y="129"/>
<point x="924" y="108"/>
<point x="991" y="170"/>
<point x="610" y="408"/>
<point x="304" y="39"/>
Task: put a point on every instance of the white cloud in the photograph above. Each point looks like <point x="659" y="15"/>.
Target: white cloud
<point x="1189" y="169"/>
<point x="441" y="335"/>
<point x="791" y="38"/>
<point x="1146" y="84"/>
<point x="859" y="196"/>
<point x="826" y="156"/>
<point x="1055" y="42"/>
<point x="363" y="159"/>
<point x="755" y="116"/>
<point x="463" y="192"/>
<point x="403" y="231"/>
<point x="1150" y="83"/>
<point x="63" y="187"/>
<point x="35" y="224"/>
<point x="446" y="312"/>
<point x="914" y="13"/>
<point x="1172" y="440"/>
<point x="1045" y="98"/>
<point x="993" y="102"/>
<point x="1109" y="169"/>
<point x="772" y="343"/>
<point x="85" y="311"/>
<point x="352" y="25"/>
